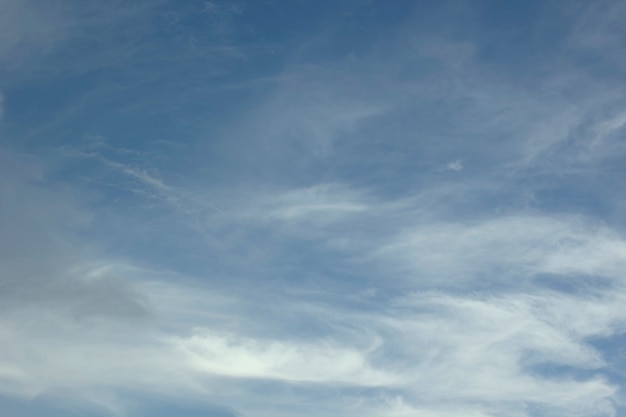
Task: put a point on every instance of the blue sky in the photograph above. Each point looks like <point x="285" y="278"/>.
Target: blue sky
<point x="312" y="208"/>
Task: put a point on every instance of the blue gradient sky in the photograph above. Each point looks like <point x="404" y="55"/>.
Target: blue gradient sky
<point x="312" y="208"/>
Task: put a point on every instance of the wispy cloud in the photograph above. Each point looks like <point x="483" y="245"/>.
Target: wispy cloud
<point x="454" y="166"/>
<point x="500" y="249"/>
<point x="398" y="216"/>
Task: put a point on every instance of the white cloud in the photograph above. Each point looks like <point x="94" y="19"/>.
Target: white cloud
<point x="480" y="353"/>
<point x="142" y="176"/>
<point x="241" y="357"/>
<point x="605" y="141"/>
<point x="491" y="350"/>
<point x="321" y="203"/>
<point x="455" y="166"/>
<point x="325" y="199"/>
<point x="506" y="248"/>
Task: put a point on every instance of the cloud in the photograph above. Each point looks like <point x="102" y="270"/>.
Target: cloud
<point x="501" y="249"/>
<point x="320" y="204"/>
<point x="143" y="177"/>
<point x="303" y="252"/>
<point x="496" y="351"/>
<point x="110" y="324"/>
<point x="501" y="350"/>
<point x="42" y="261"/>
<point x="318" y="362"/>
<point x="454" y="166"/>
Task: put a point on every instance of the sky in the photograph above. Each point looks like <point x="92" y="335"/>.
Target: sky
<point x="312" y="208"/>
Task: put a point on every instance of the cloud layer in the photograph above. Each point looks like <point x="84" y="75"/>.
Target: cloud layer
<point x="376" y="210"/>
